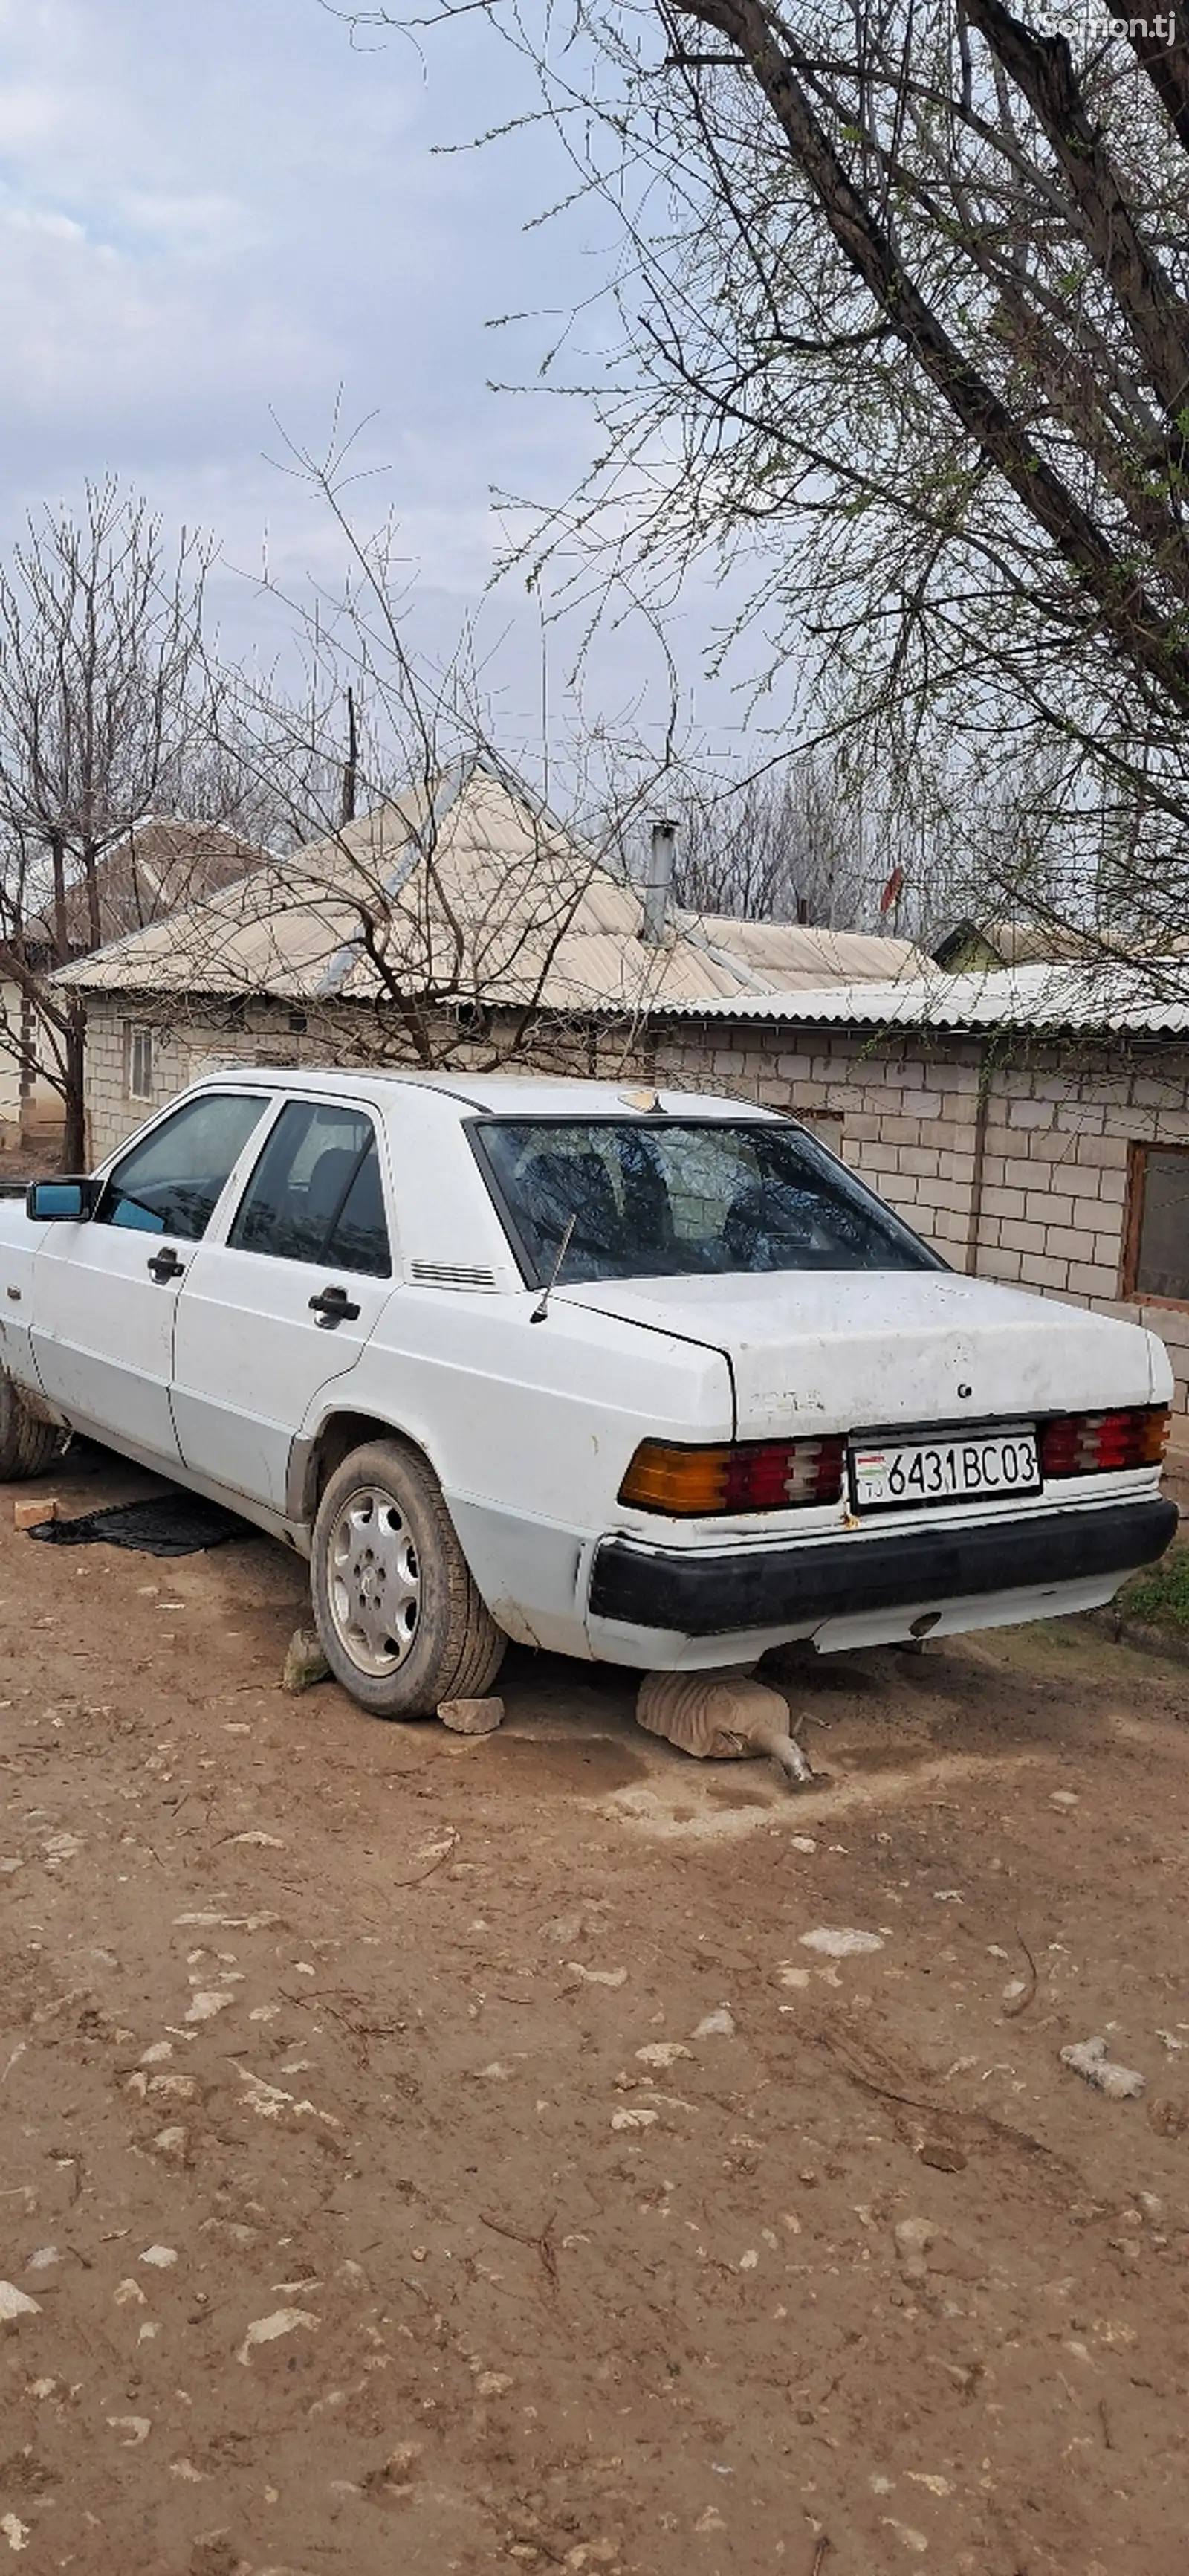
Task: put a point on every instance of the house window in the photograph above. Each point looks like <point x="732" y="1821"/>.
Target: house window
<point x="1157" y="1256"/>
<point x="138" y="1050"/>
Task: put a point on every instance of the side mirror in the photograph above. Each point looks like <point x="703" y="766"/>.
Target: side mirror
<point x="61" y="1201"/>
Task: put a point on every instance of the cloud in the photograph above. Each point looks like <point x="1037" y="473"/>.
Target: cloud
<point x="209" y="213"/>
<point x="217" y="217"/>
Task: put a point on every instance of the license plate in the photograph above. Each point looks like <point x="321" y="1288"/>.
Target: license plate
<point x="975" y="1470"/>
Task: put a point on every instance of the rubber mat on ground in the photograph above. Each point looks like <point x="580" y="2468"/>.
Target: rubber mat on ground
<point x="170" y="1525"/>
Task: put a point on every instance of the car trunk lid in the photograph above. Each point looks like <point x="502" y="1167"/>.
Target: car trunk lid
<point x="849" y="1350"/>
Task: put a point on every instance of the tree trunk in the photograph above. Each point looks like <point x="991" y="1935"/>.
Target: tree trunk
<point x="94" y="924"/>
<point x="61" y="940"/>
<point x="74" y="1140"/>
<point x="1151" y="638"/>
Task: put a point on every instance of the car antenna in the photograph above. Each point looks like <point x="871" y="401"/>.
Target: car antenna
<point x="542" y="1308"/>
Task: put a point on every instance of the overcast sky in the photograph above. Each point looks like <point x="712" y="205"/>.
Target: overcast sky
<point x="215" y="210"/>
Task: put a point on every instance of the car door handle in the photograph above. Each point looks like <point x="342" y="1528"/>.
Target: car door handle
<point x="333" y="1307"/>
<point x="165" y="1266"/>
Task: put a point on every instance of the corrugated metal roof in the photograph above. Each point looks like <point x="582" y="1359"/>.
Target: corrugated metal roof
<point x="512" y="911"/>
<point x="1113" y="998"/>
<point x="789" y="955"/>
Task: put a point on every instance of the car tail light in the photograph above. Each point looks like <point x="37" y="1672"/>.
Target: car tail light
<point x="1099" y="1444"/>
<point x="750" y="1476"/>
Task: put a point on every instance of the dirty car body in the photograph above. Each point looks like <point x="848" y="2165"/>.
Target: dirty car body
<point x="687" y="1388"/>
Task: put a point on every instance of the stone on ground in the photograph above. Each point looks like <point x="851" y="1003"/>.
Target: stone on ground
<point x="472" y="1716"/>
<point x="305" y="1662"/>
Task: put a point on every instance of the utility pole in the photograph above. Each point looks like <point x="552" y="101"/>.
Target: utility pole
<point x="350" y="765"/>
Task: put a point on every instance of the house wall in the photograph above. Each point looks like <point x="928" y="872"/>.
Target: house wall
<point x="1053" y="1128"/>
<point x="10" y="1077"/>
<point x="31" y="1111"/>
<point x="181" y="1053"/>
<point x="186" y="1048"/>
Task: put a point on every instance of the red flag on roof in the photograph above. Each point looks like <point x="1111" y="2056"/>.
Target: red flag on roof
<point x="892" y="891"/>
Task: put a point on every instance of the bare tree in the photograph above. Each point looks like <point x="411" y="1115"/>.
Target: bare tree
<point x="784" y="845"/>
<point x="904" y="315"/>
<point x="106" y="715"/>
<point x="395" y="936"/>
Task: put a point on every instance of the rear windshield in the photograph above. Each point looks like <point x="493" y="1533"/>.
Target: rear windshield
<point x="679" y="1197"/>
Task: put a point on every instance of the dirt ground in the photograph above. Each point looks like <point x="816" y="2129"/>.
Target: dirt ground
<point x="424" y="2154"/>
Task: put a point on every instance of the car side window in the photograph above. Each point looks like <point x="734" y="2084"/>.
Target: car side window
<point x="316" y="1194"/>
<point x="170" y="1183"/>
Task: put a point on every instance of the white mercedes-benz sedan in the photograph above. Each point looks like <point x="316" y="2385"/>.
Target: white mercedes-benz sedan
<point x="647" y="1379"/>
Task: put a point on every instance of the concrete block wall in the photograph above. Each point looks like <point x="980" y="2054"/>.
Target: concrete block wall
<point x="10" y="1068"/>
<point x="186" y="1047"/>
<point x="30" y="1110"/>
<point x="1057" y="1130"/>
<point x="182" y="1050"/>
<point x="905" y="1123"/>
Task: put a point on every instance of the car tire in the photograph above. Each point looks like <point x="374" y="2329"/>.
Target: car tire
<point x="26" y="1444"/>
<point x="401" y="1623"/>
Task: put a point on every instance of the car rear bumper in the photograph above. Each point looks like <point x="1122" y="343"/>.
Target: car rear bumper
<point x="738" y="1589"/>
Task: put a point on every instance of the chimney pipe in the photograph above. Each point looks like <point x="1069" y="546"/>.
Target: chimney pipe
<point x="658" y="884"/>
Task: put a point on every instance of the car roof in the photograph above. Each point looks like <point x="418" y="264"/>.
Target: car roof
<point x="516" y="1095"/>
